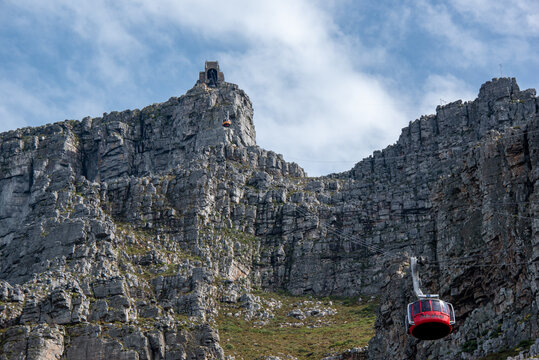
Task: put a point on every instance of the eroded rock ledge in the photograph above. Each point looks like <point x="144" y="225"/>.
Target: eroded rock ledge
<point x="120" y="236"/>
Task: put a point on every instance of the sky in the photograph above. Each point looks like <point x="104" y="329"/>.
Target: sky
<point x="331" y="81"/>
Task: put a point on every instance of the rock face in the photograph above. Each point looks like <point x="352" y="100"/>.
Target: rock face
<point x="120" y="235"/>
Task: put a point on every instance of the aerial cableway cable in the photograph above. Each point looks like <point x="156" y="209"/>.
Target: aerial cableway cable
<point x="375" y="248"/>
<point x="455" y="148"/>
<point x="417" y="212"/>
<point x="363" y="243"/>
<point x="429" y="317"/>
<point x="388" y="255"/>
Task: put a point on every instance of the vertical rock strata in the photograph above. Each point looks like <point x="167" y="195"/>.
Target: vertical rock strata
<point x="120" y="235"/>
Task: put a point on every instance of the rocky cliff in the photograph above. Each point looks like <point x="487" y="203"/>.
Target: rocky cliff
<point x="120" y="236"/>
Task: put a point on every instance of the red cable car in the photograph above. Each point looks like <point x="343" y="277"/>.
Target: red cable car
<point x="226" y="121"/>
<point x="428" y="318"/>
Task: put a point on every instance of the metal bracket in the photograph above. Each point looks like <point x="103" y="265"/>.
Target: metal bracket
<point x="415" y="280"/>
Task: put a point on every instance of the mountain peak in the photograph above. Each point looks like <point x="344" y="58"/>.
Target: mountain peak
<point x="498" y="88"/>
<point x="160" y="136"/>
<point x="142" y="233"/>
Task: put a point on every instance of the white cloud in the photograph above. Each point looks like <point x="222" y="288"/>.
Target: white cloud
<point x="481" y="33"/>
<point x="311" y="103"/>
<point x="443" y="89"/>
<point x="517" y="18"/>
<point x="461" y="45"/>
<point x="293" y="62"/>
<point x="17" y="104"/>
<point x="20" y="103"/>
<point x="9" y="120"/>
<point x="313" y="95"/>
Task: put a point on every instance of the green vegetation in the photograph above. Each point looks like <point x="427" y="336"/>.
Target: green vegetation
<point x="524" y="344"/>
<point x="469" y="346"/>
<point x="210" y="233"/>
<point x="502" y="355"/>
<point x="237" y="235"/>
<point x="525" y="319"/>
<point x="310" y="338"/>
<point x="498" y="331"/>
<point x="172" y="269"/>
<point x="137" y="249"/>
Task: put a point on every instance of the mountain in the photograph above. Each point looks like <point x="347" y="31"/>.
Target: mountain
<point x="122" y="237"/>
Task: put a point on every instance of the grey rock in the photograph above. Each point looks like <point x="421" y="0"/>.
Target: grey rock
<point x="121" y="235"/>
<point x="105" y="288"/>
<point x="351" y="354"/>
<point x="297" y="313"/>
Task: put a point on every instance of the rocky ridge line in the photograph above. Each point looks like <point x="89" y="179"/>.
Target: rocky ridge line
<point x="118" y="234"/>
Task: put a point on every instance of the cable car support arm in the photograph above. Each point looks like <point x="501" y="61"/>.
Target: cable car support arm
<point x="415" y="280"/>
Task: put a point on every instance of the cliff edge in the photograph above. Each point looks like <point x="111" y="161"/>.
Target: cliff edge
<point x="120" y="236"/>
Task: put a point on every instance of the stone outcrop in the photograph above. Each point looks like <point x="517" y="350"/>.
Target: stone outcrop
<point x="121" y="235"/>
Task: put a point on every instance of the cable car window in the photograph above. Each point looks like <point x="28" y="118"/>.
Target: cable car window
<point x="436" y="305"/>
<point x="445" y="309"/>
<point x="425" y="305"/>
<point x="415" y="308"/>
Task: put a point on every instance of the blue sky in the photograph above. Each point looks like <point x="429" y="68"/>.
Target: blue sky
<point x="330" y="81"/>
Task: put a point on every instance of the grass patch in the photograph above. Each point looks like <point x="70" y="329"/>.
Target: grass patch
<point x="136" y="250"/>
<point x="172" y="269"/>
<point x="352" y="326"/>
<point x="469" y="346"/>
<point x="502" y="355"/>
<point x="229" y="233"/>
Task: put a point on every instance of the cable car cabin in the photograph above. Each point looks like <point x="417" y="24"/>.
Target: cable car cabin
<point x="226" y="123"/>
<point x="430" y="319"/>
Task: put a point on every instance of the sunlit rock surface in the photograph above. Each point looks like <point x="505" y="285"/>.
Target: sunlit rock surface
<point x="121" y="235"/>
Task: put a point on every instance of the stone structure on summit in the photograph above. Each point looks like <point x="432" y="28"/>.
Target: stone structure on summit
<point x="120" y="236"/>
<point x="211" y="75"/>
